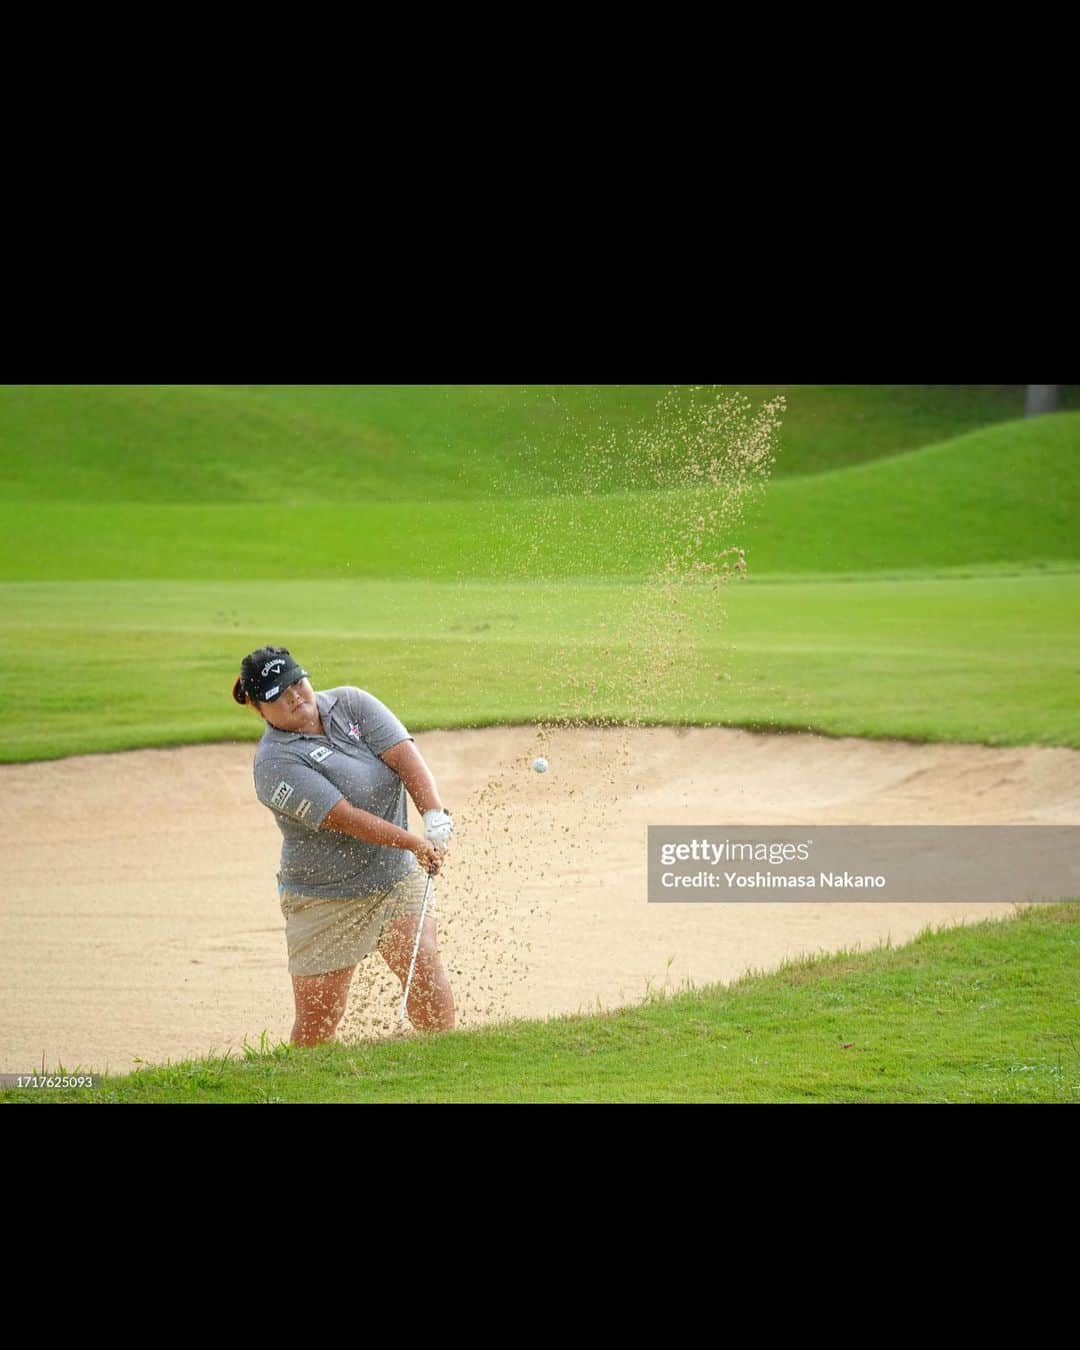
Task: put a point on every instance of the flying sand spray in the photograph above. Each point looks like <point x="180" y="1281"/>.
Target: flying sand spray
<point x="694" y="468"/>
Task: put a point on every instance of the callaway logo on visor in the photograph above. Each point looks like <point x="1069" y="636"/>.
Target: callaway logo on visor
<point x="278" y="674"/>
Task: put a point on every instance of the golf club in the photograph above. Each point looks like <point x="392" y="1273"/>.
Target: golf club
<point x="416" y="948"/>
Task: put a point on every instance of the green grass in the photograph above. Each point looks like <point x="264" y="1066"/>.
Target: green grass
<point x="112" y="665"/>
<point x="234" y="444"/>
<point x="986" y="1012"/>
<point x="1006" y="495"/>
<point x="124" y="619"/>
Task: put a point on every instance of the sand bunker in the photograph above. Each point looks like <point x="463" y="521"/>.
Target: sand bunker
<point x="140" y="918"/>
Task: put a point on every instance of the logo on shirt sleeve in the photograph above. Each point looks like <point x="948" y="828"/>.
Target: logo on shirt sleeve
<point x="282" y="793"/>
<point x="303" y="809"/>
<point x="320" y="753"/>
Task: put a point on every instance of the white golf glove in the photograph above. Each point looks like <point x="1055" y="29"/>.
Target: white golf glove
<point x="438" y="828"/>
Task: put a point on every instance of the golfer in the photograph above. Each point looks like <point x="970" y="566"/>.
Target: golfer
<point x="333" y="766"/>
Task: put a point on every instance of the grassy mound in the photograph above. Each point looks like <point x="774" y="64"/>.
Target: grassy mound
<point x="983" y="1012"/>
<point x="1009" y="494"/>
<point x="297" y="444"/>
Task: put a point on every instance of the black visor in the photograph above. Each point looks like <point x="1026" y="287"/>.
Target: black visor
<point x="273" y="677"/>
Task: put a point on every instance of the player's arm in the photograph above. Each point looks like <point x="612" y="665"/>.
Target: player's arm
<point x="408" y="763"/>
<point x="345" y="818"/>
<point x="386" y="736"/>
<point x="305" y="796"/>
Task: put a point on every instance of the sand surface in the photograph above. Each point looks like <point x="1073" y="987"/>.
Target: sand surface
<point x="140" y="917"/>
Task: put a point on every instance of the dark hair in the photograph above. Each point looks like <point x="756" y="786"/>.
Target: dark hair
<point x="249" y="668"/>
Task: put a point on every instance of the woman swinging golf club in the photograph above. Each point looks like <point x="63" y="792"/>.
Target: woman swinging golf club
<point x="333" y="766"/>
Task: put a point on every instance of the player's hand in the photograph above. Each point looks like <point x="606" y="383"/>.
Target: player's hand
<point x="428" y="856"/>
<point x="438" y="828"/>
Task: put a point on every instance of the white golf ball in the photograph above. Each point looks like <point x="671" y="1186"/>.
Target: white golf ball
<point x="540" y="764"/>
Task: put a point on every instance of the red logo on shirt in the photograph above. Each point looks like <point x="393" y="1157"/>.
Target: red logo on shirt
<point x="354" y="730"/>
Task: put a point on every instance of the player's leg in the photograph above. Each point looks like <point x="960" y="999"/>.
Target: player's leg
<point x="431" y="1000"/>
<point x="320" y="1005"/>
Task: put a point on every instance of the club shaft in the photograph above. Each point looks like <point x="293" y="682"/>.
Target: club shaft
<point x="416" y="949"/>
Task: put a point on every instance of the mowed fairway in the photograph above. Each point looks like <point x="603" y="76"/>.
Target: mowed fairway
<point x="479" y="554"/>
<point x="114" y="665"/>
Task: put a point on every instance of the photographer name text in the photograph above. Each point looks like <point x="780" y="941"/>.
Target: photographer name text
<point x="775" y="854"/>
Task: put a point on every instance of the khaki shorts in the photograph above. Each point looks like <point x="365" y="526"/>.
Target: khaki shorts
<point x="324" y="935"/>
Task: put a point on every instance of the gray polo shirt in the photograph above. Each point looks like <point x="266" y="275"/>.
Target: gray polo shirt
<point x="302" y="778"/>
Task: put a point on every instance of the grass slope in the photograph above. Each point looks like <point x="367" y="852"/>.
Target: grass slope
<point x="1009" y="493"/>
<point x="297" y="444"/>
<point x="94" y="666"/>
<point x="1006" y="495"/>
<point x="984" y="1012"/>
